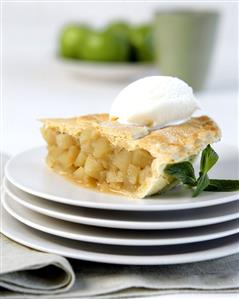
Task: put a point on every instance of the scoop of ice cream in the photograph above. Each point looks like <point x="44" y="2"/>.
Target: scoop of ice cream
<point x="154" y="101"/>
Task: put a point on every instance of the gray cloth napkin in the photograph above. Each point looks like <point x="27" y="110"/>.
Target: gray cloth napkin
<point x="28" y="273"/>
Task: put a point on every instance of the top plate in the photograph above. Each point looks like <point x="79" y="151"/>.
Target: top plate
<point x="114" y="71"/>
<point x="28" y="172"/>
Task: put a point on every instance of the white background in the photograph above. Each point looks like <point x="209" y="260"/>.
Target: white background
<point x="35" y="85"/>
<point x="32" y="26"/>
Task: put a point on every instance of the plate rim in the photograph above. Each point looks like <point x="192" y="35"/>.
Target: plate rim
<point x="136" y="225"/>
<point x="203" y="255"/>
<point x="111" y="64"/>
<point x="113" y="206"/>
<point x="108" y="240"/>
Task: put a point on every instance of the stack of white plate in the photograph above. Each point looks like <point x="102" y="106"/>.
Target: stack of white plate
<point x="44" y="211"/>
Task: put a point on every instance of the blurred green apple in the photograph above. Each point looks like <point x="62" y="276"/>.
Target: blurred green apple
<point x="141" y="38"/>
<point x="119" y="27"/>
<point x="72" y="39"/>
<point x="105" y="46"/>
<point x="122" y="28"/>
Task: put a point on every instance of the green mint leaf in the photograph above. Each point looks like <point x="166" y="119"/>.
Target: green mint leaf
<point x="183" y="171"/>
<point x="222" y="185"/>
<point x="202" y="183"/>
<point x="208" y="159"/>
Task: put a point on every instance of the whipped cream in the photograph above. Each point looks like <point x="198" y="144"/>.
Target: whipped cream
<point x="154" y="101"/>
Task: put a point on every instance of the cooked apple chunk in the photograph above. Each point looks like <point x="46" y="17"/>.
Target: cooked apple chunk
<point x="93" y="167"/>
<point x="122" y="159"/>
<point x="64" y="141"/>
<point x="96" y="152"/>
<point x="93" y="156"/>
<point x="80" y="159"/>
<point x="101" y="147"/>
<point x="68" y="156"/>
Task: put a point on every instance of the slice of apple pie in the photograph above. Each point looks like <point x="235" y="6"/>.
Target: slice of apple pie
<point x="100" y="153"/>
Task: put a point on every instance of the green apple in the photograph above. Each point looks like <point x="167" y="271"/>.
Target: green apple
<point x="123" y="29"/>
<point x="141" y="38"/>
<point x="72" y="39"/>
<point x="119" y="27"/>
<point x="146" y="52"/>
<point x="105" y="46"/>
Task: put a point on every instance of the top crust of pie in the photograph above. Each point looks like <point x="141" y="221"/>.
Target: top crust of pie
<point x="171" y="144"/>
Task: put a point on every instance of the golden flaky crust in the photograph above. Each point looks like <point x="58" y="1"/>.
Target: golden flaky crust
<point x="171" y="144"/>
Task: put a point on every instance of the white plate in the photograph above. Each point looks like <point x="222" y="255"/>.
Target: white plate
<point x="116" y="236"/>
<point x="121" y="71"/>
<point x="129" y="255"/>
<point x="127" y="219"/>
<point x="28" y="172"/>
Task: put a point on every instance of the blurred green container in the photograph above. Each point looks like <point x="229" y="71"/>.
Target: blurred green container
<point x="184" y="42"/>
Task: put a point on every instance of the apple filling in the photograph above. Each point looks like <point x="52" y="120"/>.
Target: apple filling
<point x="90" y="159"/>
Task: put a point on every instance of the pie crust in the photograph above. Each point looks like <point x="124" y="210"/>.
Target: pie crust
<point x="96" y="152"/>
